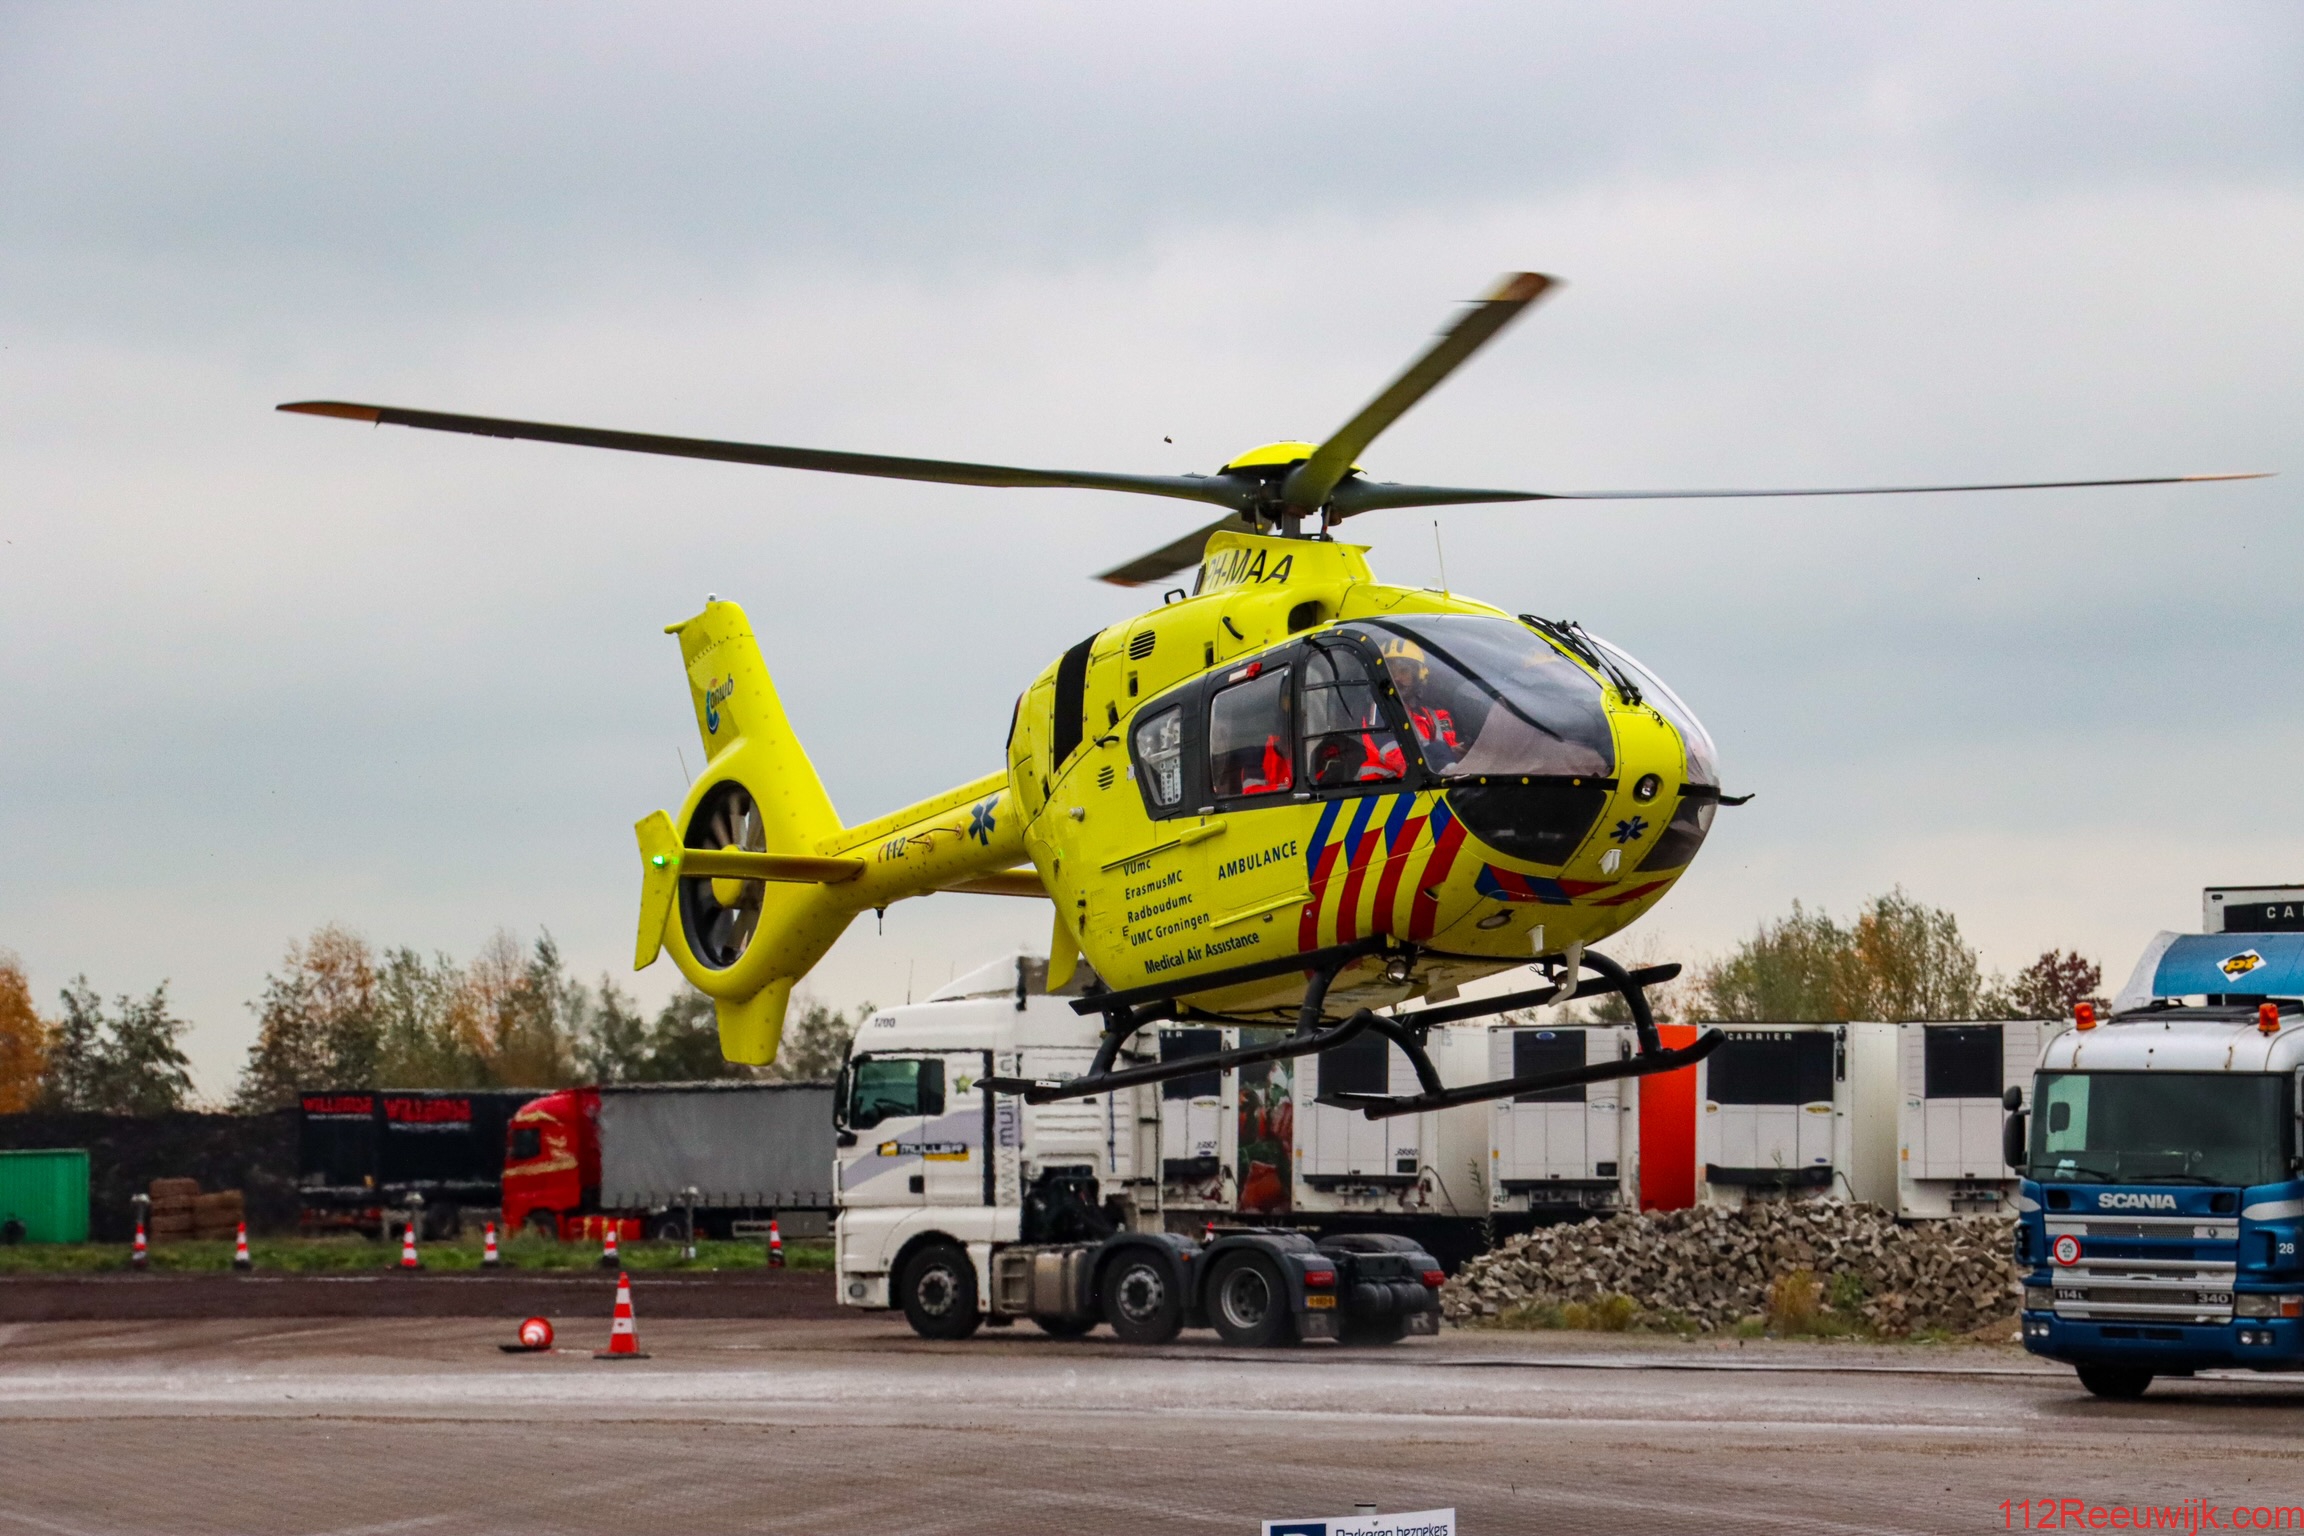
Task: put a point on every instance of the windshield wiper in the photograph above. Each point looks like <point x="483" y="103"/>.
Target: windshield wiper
<point x="2171" y="1178"/>
<point x="2064" y="1175"/>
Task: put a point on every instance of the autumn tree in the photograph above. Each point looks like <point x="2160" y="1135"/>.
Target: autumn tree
<point x="514" y="1017"/>
<point x="23" y="1039"/>
<point x="1899" y="959"/>
<point x="2051" y="987"/>
<point x="816" y="1043"/>
<point x="76" y="1051"/>
<point x="128" y="1060"/>
<point x="318" y="1024"/>
<point x="682" y="1043"/>
<point x="1804" y="966"/>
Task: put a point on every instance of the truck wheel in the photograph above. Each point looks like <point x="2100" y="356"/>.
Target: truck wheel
<point x="544" y="1224"/>
<point x="1373" y="1330"/>
<point x="1140" y="1300"/>
<point x="1064" y="1327"/>
<point x="670" y="1229"/>
<point x="1248" y="1302"/>
<point x="939" y="1291"/>
<point x="2121" y="1383"/>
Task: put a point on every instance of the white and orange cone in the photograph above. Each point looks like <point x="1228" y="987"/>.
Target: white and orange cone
<point x="775" y="1246"/>
<point x="141" y="1256"/>
<point x="608" y="1258"/>
<point x="408" y="1258"/>
<point x="240" y="1255"/>
<point x="489" y="1257"/>
<point x="623" y="1338"/>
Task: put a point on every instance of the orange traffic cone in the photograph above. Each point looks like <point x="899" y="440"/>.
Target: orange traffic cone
<point x="623" y="1340"/>
<point x="608" y="1258"/>
<point x="489" y="1257"/>
<point x="775" y="1246"/>
<point x="240" y="1257"/>
<point x="408" y="1258"/>
<point x="142" y="1256"/>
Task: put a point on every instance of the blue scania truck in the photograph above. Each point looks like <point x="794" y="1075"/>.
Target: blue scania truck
<point x="2162" y="1202"/>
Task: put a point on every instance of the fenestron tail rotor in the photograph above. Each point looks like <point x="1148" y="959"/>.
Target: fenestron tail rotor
<point x="1263" y="491"/>
<point x="719" y="916"/>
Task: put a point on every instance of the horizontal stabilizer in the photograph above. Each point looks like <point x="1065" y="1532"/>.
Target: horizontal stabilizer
<point x="736" y="864"/>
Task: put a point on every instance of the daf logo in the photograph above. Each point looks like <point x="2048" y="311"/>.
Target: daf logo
<point x="2124" y="1202"/>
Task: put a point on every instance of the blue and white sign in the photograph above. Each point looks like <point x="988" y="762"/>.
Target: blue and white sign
<point x="1424" y="1522"/>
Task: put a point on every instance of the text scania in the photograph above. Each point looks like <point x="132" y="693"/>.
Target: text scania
<point x="2118" y="1201"/>
<point x="1278" y="853"/>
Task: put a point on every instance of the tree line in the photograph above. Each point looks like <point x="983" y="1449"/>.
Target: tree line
<point x="338" y="1012"/>
<point x="1896" y="960"/>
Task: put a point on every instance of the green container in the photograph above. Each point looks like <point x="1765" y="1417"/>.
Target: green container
<point x="48" y="1192"/>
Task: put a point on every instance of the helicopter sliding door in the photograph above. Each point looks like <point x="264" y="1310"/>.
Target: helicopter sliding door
<point x="1254" y="869"/>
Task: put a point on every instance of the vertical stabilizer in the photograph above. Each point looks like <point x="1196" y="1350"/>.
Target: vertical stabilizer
<point x="736" y="703"/>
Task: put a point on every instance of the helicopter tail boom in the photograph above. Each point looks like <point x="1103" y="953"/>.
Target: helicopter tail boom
<point x="755" y="877"/>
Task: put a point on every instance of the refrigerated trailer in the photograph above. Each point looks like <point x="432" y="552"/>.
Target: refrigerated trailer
<point x="1798" y="1111"/>
<point x="1566" y="1152"/>
<point x="1951" y="1080"/>
<point x="1423" y="1176"/>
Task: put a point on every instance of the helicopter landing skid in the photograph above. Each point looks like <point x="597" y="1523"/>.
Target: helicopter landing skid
<point x="1127" y="1012"/>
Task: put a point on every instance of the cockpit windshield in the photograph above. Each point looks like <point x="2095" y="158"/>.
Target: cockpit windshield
<point x="1488" y="698"/>
<point x="1703" y="757"/>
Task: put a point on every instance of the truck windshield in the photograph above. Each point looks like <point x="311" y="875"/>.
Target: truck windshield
<point x="2161" y="1128"/>
<point x="886" y="1088"/>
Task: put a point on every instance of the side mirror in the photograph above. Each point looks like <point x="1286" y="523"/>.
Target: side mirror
<point x="2013" y="1099"/>
<point x="2015" y="1137"/>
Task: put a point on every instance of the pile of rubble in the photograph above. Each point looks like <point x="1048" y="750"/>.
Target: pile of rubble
<point x="1716" y="1268"/>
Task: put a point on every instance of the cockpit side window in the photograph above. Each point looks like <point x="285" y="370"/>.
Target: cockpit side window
<point x="1160" y="757"/>
<point x="1348" y="739"/>
<point x="1489" y="698"/>
<point x="1251" y="739"/>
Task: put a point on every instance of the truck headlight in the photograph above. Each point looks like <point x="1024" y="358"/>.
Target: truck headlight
<point x="2039" y="1298"/>
<point x="2267" y="1304"/>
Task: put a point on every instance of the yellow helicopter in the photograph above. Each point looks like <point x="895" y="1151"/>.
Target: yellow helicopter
<point x="1291" y="795"/>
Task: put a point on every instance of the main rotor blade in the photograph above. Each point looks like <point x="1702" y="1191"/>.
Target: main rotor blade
<point x="1354" y="497"/>
<point x="1168" y="559"/>
<point x="1309" y="484"/>
<point x="1221" y="491"/>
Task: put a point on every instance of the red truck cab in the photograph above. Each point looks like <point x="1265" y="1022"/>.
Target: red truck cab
<point x="552" y="1163"/>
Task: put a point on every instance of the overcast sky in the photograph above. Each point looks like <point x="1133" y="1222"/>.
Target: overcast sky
<point x="258" y="672"/>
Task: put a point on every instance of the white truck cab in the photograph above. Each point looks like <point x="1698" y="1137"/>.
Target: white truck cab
<point x="964" y="1207"/>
